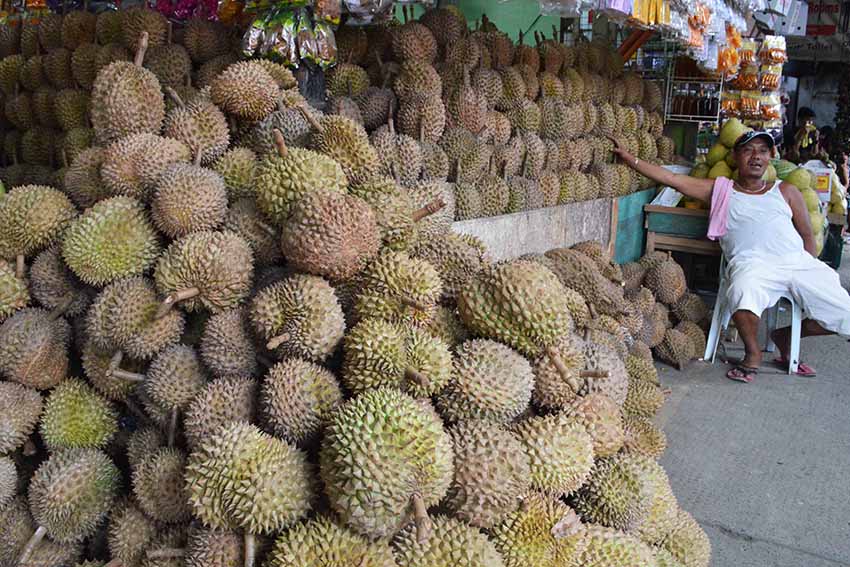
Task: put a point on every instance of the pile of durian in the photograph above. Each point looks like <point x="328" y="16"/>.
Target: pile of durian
<point x="231" y="337"/>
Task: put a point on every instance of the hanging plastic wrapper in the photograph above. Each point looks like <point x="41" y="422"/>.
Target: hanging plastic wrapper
<point x="770" y="77"/>
<point x="253" y="38"/>
<point x="616" y="10"/>
<point x="751" y="104"/>
<point x="325" y="45"/>
<point x="279" y="39"/>
<point x="773" y="50"/>
<point x="364" y="12"/>
<point x="183" y="10"/>
<point x="561" y="8"/>
<point x="328" y="11"/>
<point x="730" y="103"/>
<point x="305" y="40"/>
<point x="771" y="110"/>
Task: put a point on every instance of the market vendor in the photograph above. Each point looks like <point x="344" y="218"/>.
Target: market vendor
<point x="766" y="237"/>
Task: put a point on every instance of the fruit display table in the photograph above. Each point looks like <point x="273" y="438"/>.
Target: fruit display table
<point x="679" y="230"/>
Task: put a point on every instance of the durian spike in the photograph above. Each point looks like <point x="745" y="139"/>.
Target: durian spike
<point x="417" y="378"/>
<point x="141" y="49"/>
<point x="420" y="518"/>
<point x="275" y="342"/>
<point x="20" y="266"/>
<point x="315" y="124"/>
<point x="175" y="297"/>
<point x="33" y="542"/>
<point x="429" y="209"/>
<point x="175" y="97"/>
<point x="172" y="427"/>
<point x="166" y="553"/>
<point x="250" y="549"/>
<point x="569" y="525"/>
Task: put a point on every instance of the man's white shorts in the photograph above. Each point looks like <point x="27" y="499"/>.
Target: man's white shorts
<point x="756" y="284"/>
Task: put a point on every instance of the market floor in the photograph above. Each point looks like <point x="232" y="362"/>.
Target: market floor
<point x="765" y="467"/>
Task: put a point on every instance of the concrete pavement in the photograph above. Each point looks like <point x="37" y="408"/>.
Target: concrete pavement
<point x="765" y="467"/>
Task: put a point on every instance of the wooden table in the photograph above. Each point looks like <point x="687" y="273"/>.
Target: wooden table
<point x="678" y="229"/>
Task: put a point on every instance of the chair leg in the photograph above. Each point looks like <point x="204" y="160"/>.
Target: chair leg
<point x="796" y="332"/>
<point x="717" y="325"/>
<point x="771" y="318"/>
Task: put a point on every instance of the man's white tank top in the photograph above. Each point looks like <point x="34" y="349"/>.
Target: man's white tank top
<point x="760" y="226"/>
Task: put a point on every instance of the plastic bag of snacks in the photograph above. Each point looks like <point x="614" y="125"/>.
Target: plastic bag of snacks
<point x="368" y="11"/>
<point x="733" y="37"/>
<point x="770" y="76"/>
<point x="325" y="44"/>
<point x="305" y="39"/>
<point x="253" y="38"/>
<point x="750" y="104"/>
<point x="771" y="110"/>
<point x="728" y="61"/>
<point x="748" y="52"/>
<point x="328" y="11"/>
<point x="748" y="77"/>
<point x="773" y="50"/>
<point x="279" y="39"/>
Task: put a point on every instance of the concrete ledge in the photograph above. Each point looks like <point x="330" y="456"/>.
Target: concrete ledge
<point x="536" y="231"/>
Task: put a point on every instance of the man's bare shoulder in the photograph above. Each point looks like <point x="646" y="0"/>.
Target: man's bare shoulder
<point x="788" y="190"/>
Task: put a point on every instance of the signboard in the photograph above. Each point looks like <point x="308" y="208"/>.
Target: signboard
<point x="821" y="179"/>
<point x="819" y="48"/>
<point x="827" y="18"/>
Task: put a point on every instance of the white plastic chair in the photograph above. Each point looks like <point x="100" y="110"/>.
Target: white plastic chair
<point x="721" y="317"/>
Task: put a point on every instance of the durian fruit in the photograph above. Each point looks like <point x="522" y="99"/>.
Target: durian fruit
<point x="414" y="41"/>
<point x="20" y="410"/>
<point x="30" y="74"/>
<point x="16" y="527"/>
<point x="417" y="77"/>
<point x="174" y="378"/>
<point x="244" y="478"/>
<point x="83" y="61"/>
<point x="330" y="234"/>
<point x="133" y="165"/>
<point x="209" y="71"/>
<point x="617" y="494"/>
<point x="467" y="201"/>
<point x="213" y="548"/>
<point x="661" y="518"/>
<point x="158" y="486"/>
<point x="129" y="533"/>
<point x="139" y="20"/>
<point x="297" y="398"/>
<point x="602" y="419"/>
<point x="290" y="175"/>
<point x="246" y="220"/>
<point x="437" y="195"/>
<point x="374" y="104"/>
<point x="222" y="401"/>
<point x="205" y="39"/>
<point x="33" y="217"/>
<point x="607" y="547"/>
<point x="379" y="353"/>
<point x="492" y="474"/>
<point x="450" y="541"/>
<point x="544" y="532"/>
<point x="188" y="198"/>
<point x="664" y="558"/>
<point x="345" y="106"/>
<point x="687" y="542"/>
<point x="695" y="334"/>
<point x="69" y="495"/>
<point x="111" y="240"/>
<point x="642" y="437"/>
<point x="455" y="259"/>
<point x="633" y="274"/>
<point x="555" y="388"/>
<point x="299" y="316"/>
<point x="494" y="193"/>
<point x="33" y="348"/>
<point x="297" y="132"/>
<point x="82" y="182"/>
<point x="446" y="325"/>
<point x="347" y="143"/>
<point x="227" y="346"/>
<point x="205" y="270"/>
<point x="200" y="125"/>
<point x="398" y="288"/>
<point x="560" y="452"/>
<point x="675" y="349"/>
<point x="8" y="481"/>
<point x="245" y="90"/>
<point x="529" y="326"/>
<point x="10" y="71"/>
<point x="400" y="156"/>
<point x="579" y="272"/>
<point x="642" y="369"/>
<point x="57" y="68"/>
<point x="612" y="377"/>
<point x="644" y="399"/>
<point x="347" y="79"/>
<point x="690" y="307"/>
<point x="666" y="281"/>
<point x="491" y="382"/>
<point x="411" y="458"/>
<point x="71" y="109"/>
<point x="320" y="542"/>
<point x="394" y="214"/>
<point x="126" y="98"/>
<point x="13" y="291"/>
<point x="37" y="146"/>
<point x="238" y="167"/>
<point x="77" y="416"/>
<point x="122" y="318"/>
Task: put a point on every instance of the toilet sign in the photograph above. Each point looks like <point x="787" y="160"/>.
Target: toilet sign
<point x="821" y="178"/>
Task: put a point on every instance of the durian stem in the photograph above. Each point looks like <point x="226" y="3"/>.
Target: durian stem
<point x="115" y="563"/>
<point x="555" y="358"/>
<point x="390" y="124"/>
<point x="166" y="553"/>
<point x="275" y="342"/>
<point x="176" y="297"/>
<point x="198" y="155"/>
<point x="594" y="374"/>
<point x="20" y="266"/>
<point x="175" y="97"/>
<point x="421" y="130"/>
<point x="592" y="310"/>
<point x="280" y="143"/>
<point x="417" y="378"/>
<point x="310" y="119"/>
<point x="33" y="542"/>
<point x="416" y="304"/>
<point x="172" y="427"/>
<point x="63" y="306"/>
<point x="429" y="209"/>
<point x="115" y="361"/>
<point x="126" y="375"/>
<point x="250" y="549"/>
<point x="568" y="525"/>
<point x="420" y="518"/>
<point x="169" y="33"/>
<point x="141" y="49"/>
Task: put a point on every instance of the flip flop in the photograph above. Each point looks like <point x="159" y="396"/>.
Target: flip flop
<point x="803" y="369"/>
<point x="741" y="373"/>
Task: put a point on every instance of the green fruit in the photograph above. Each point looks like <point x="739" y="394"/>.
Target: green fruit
<point x="322" y="543"/>
<point x="238" y="167"/>
<point x="719" y="169"/>
<point x="642" y="437"/>
<point x="129" y="533"/>
<point x="617" y="493"/>
<point x="13" y="291"/>
<point x="71" y="493"/>
<point x="784" y="168"/>
<point x="111" y="240"/>
<point x="158" y="486"/>
<point x="227" y="345"/>
<point x="20" y="409"/>
<point x="491" y="382"/>
<point x="33" y="217"/>
<point x="810" y="196"/>
<point x="602" y="419"/>
<point x="560" y="452"/>
<point x="77" y="416"/>
<point x="605" y="547"/>
<point x="731" y="130"/>
<point x="175" y="377"/>
<point x="799" y="178"/>
<point x="34" y="348"/>
<point x="244" y="478"/>
<point x="769" y="174"/>
<point x="221" y="402"/>
<point x="450" y="541"/>
<point x="687" y="542"/>
<point x="410" y="460"/>
<point x="700" y="171"/>
<point x="246" y="90"/>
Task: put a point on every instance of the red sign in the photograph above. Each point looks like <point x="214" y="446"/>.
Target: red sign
<point x="823" y="17"/>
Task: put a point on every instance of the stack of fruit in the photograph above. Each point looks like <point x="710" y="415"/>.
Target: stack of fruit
<point x="238" y="333"/>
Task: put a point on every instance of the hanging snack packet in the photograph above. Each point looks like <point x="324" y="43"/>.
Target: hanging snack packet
<point x="326" y="45"/>
<point x="328" y="11"/>
<point x="305" y="39"/>
<point x="281" y="46"/>
<point x="253" y="38"/>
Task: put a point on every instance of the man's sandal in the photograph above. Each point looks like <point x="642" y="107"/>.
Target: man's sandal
<point x="803" y="369"/>
<point x="741" y="373"/>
